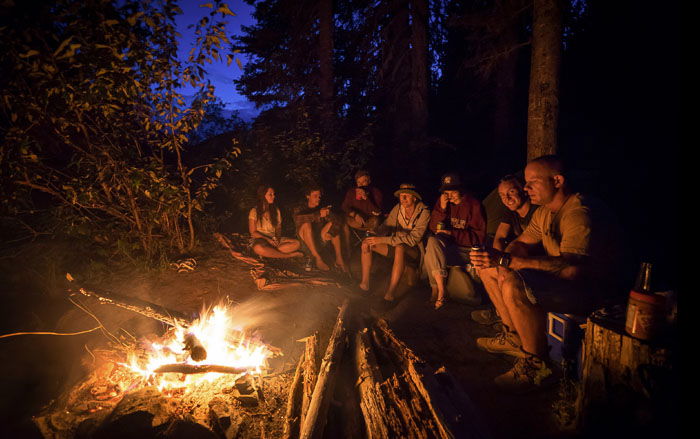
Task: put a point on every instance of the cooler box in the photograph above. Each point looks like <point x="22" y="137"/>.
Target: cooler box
<point x="565" y="339"/>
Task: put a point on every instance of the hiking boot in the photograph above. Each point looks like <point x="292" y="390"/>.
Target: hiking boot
<point x="485" y="316"/>
<point x="504" y="343"/>
<point x="528" y="373"/>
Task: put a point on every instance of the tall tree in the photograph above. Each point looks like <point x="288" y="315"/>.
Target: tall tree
<point x="418" y="96"/>
<point x="543" y="107"/>
<point x="325" y="58"/>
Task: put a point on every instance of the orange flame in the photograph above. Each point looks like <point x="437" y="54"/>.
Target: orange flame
<point x="221" y="336"/>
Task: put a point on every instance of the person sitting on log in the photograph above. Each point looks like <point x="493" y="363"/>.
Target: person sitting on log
<point x="317" y="226"/>
<point x="401" y="234"/>
<point x="512" y="194"/>
<point x="457" y="222"/>
<point x="265" y="226"/>
<point x="362" y="205"/>
<point x="573" y="276"/>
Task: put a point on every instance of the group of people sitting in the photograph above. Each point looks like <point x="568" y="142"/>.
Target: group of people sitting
<point x="554" y="251"/>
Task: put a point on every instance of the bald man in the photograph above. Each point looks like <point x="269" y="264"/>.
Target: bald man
<point x="574" y="275"/>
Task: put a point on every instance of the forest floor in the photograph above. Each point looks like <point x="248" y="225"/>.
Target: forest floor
<point x="35" y="369"/>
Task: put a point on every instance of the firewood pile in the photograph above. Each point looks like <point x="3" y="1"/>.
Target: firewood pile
<point x="366" y="383"/>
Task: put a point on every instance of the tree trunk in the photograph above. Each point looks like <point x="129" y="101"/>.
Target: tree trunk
<point x="418" y="95"/>
<point x="543" y="107"/>
<point x="325" y="50"/>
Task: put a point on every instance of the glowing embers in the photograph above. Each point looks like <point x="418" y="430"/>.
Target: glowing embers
<point x="215" y="347"/>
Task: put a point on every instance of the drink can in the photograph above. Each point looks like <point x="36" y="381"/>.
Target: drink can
<point x="440" y="226"/>
<point x="478" y="248"/>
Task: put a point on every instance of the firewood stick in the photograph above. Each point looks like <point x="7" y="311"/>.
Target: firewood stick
<point x="195" y="347"/>
<point x="148" y="309"/>
<point x="310" y="374"/>
<point x="292" y="415"/>
<point x="315" y="420"/>
<point x="190" y="369"/>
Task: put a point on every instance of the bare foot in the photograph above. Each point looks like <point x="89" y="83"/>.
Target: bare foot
<point x="364" y="287"/>
<point x="322" y="265"/>
<point x="440" y="303"/>
<point x="296" y="255"/>
<point x="389" y="297"/>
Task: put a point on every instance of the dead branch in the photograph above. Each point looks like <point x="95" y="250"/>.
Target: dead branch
<point x="315" y="420"/>
<point x="190" y="369"/>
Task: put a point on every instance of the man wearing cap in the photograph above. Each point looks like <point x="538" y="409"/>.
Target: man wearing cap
<point x="574" y="275"/>
<point x="362" y="204"/>
<point x="401" y="234"/>
<point x="457" y="222"/>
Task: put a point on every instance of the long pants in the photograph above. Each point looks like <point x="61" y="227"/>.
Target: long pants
<point x="442" y="252"/>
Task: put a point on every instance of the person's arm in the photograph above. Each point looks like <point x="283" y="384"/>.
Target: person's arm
<point x="301" y="218"/>
<point x="474" y="231"/>
<point x="253" y="229"/>
<point x="499" y="239"/>
<point x="438" y="214"/>
<point x="416" y="234"/>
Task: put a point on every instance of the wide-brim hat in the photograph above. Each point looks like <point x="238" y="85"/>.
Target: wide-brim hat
<point x="450" y="182"/>
<point x="407" y="188"/>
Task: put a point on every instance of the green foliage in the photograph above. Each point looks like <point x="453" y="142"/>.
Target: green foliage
<point x="92" y="118"/>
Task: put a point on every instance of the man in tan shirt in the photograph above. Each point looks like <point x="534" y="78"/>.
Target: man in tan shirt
<point x="580" y="257"/>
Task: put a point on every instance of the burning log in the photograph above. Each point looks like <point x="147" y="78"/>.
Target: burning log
<point x="315" y="420"/>
<point x="195" y="348"/>
<point x="148" y="309"/>
<point x="189" y="369"/>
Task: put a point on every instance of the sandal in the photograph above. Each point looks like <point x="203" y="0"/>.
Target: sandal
<point x="440" y="303"/>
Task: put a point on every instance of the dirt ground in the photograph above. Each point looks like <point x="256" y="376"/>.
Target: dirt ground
<point x="34" y="369"/>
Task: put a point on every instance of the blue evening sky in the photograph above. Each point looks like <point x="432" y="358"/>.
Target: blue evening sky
<point x="220" y="75"/>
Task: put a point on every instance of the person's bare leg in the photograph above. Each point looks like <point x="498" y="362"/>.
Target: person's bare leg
<point x="528" y="319"/>
<point x="290" y="246"/>
<point x="440" y="287"/>
<point x="306" y="234"/>
<point x="396" y="271"/>
<point x="271" y="252"/>
<point x="337" y="247"/>
<point x="366" y="260"/>
<point x="489" y="277"/>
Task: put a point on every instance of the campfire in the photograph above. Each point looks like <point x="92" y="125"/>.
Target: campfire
<point x="212" y="374"/>
<point x="215" y="346"/>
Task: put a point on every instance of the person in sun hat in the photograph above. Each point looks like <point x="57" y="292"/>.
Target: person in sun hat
<point x="400" y="237"/>
<point x="457" y="222"/>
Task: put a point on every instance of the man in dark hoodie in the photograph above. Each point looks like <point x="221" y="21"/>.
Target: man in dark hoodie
<point x="401" y="234"/>
<point x="458" y="222"/>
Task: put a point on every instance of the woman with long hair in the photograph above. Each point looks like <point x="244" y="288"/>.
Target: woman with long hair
<point x="265" y="226"/>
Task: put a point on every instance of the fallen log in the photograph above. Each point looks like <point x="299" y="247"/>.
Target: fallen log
<point x="454" y="413"/>
<point x="315" y="420"/>
<point x="148" y="309"/>
<point x="380" y="419"/>
<point x="190" y="369"/>
<point x="292" y="414"/>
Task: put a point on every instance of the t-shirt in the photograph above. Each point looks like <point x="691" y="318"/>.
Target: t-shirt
<point x="582" y="226"/>
<point x="265" y="226"/>
<point x="518" y="223"/>
<point x="373" y="203"/>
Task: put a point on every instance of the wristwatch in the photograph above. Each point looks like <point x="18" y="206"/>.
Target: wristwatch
<point x="504" y="260"/>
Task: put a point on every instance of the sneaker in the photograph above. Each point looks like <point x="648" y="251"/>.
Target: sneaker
<point x="504" y="343"/>
<point x="528" y="373"/>
<point x="485" y="316"/>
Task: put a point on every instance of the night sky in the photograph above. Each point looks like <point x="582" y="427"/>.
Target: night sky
<point x="220" y="75"/>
